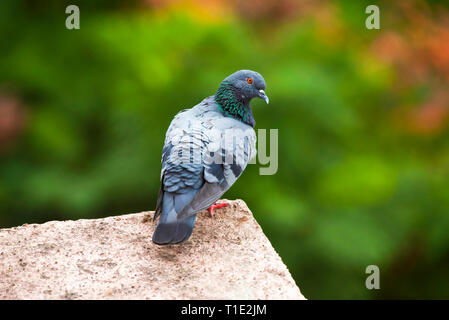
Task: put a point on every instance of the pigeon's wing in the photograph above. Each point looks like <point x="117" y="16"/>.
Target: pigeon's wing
<point x="222" y="167"/>
<point x="204" y="153"/>
<point x="179" y="175"/>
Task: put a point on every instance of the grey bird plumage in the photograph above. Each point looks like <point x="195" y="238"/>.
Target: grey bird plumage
<point x="205" y="151"/>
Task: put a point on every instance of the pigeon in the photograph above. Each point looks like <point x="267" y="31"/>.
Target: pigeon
<point x="205" y="151"/>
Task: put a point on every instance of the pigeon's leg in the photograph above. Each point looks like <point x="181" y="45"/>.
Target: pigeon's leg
<point x="216" y="206"/>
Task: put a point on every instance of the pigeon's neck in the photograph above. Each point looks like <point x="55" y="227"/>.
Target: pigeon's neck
<point x="233" y="105"/>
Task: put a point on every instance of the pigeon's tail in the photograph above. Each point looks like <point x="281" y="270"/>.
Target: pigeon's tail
<point x="173" y="232"/>
<point x="170" y="229"/>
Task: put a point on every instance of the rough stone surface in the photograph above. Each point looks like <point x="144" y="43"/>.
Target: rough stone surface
<point x="227" y="257"/>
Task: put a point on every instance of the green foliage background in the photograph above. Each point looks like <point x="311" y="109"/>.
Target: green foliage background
<point x="355" y="185"/>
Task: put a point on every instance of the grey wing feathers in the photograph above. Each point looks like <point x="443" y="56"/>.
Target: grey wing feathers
<point x="219" y="177"/>
<point x="189" y="164"/>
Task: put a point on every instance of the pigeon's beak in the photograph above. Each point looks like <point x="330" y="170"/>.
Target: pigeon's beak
<point x="263" y="96"/>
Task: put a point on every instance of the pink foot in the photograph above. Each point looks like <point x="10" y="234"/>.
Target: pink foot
<point x="216" y="206"/>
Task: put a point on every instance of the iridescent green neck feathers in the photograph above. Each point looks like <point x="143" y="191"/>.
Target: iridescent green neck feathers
<point x="232" y="105"/>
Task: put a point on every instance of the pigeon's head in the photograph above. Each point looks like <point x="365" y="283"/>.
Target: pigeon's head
<point x="235" y="93"/>
<point x="247" y="85"/>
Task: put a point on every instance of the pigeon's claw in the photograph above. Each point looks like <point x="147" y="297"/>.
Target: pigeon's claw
<point x="216" y="206"/>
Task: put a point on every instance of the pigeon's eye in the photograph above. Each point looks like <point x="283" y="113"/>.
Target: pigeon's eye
<point x="249" y="80"/>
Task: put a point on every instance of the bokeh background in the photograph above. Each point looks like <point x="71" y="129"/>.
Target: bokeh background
<point x="362" y="118"/>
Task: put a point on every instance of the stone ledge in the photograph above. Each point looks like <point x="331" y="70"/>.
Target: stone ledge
<point x="227" y="257"/>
